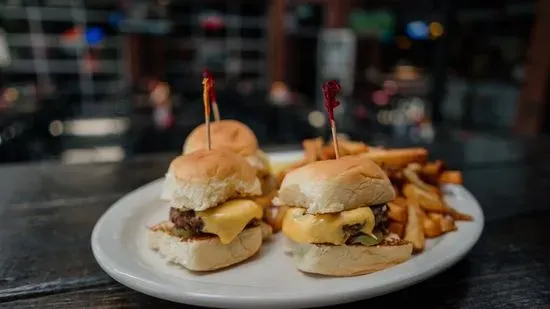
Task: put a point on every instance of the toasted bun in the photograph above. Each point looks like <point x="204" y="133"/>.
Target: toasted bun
<point x="335" y="185"/>
<point x="205" y="179"/>
<point x="227" y="133"/>
<point x="206" y="254"/>
<point x="345" y="261"/>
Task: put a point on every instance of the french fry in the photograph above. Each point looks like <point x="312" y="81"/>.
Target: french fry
<point x="311" y="147"/>
<point x="397" y="212"/>
<point x="427" y="200"/>
<point x="435" y="216"/>
<point x="458" y="216"/>
<point x="401" y="201"/>
<point x="274" y="216"/>
<point x="328" y="152"/>
<point x="432" y="168"/>
<point x="352" y="147"/>
<point x="414" y="230"/>
<point x="451" y="177"/>
<point x="447" y="224"/>
<point x="396" y="158"/>
<point x="432" y="228"/>
<point x="397" y="228"/>
<point x="410" y="174"/>
<point x="264" y="201"/>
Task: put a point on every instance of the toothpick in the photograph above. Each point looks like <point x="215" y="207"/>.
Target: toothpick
<point x="330" y="90"/>
<point x="206" y="88"/>
<point x="212" y="94"/>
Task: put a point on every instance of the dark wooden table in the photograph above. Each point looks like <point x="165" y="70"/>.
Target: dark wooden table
<point x="47" y="212"/>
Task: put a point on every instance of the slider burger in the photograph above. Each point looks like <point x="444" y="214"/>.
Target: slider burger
<point x="336" y="223"/>
<point x="239" y="138"/>
<point x="211" y="223"/>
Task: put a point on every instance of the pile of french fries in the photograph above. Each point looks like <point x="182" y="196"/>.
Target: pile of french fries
<point x="419" y="211"/>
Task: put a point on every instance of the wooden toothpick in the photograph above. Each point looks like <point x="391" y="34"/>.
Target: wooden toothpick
<point x="330" y="90"/>
<point x="206" y="88"/>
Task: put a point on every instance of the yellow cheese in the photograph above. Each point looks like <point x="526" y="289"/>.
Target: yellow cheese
<point x="230" y="218"/>
<point x="325" y="228"/>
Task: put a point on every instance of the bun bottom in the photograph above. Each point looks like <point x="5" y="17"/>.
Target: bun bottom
<point x="206" y="254"/>
<point x="346" y="261"/>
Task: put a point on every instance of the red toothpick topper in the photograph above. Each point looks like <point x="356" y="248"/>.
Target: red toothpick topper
<point x="206" y="90"/>
<point x="212" y="93"/>
<point x="330" y="90"/>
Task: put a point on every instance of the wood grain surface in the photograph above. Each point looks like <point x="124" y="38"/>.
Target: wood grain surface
<point x="47" y="212"/>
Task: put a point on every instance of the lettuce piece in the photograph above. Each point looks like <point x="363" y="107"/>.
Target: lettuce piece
<point x="367" y="240"/>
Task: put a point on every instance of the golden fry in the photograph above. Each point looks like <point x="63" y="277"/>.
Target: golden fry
<point x="329" y="153"/>
<point x="458" y="215"/>
<point x="397" y="158"/>
<point x="311" y="147"/>
<point x="401" y="201"/>
<point x="435" y="216"/>
<point x="451" y="177"/>
<point x="397" y="212"/>
<point x="427" y="200"/>
<point x="352" y="147"/>
<point x="432" y="168"/>
<point x="413" y="177"/>
<point x="414" y="230"/>
<point x="397" y="228"/>
<point x="447" y="224"/>
<point x="265" y="200"/>
<point x="274" y="216"/>
<point x="432" y="228"/>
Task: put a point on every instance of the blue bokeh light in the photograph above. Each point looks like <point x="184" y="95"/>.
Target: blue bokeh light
<point x="417" y="30"/>
<point x="94" y="35"/>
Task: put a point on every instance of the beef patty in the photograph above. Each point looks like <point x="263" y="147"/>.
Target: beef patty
<point x="380" y="221"/>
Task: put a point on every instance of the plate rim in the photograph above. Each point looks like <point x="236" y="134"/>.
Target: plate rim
<point x="123" y="274"/>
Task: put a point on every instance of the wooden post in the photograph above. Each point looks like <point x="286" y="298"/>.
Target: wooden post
<point x="337" y="13"/>
<point x="530" y="108"/>
<point x="276" y="41"/>
<point x="131" y="53"/>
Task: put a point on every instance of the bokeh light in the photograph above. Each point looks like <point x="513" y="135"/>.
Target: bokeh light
<point x="379" y="97"/>
<point x="56" y="128"/>
<point x="436" y="29"/>
<point x="417" y="30"/>
<point x="316" y="119"/>
<point x="94" y="35"/>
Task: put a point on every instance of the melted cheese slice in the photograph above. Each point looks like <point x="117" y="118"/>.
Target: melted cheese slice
<point x="230" y="218"/>
<point x="325" y="228"/>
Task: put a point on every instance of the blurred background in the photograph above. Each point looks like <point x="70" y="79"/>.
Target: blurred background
<point x="105" y="80"/>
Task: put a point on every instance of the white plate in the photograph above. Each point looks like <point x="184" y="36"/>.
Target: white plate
<point x="269" y="280"/>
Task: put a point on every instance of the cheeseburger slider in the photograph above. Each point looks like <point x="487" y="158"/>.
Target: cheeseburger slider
<point x="239" y="138"/>
<point x="336" y="223"/>
<point x="211" y="223"/>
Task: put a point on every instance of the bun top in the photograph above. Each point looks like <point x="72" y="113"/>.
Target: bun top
<point x="335" y="185"/>
<point x="204" y="165"/>
<point x="230" y="134"/>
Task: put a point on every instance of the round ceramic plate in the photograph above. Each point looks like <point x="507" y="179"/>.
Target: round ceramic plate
<point x="269" y="279"/>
